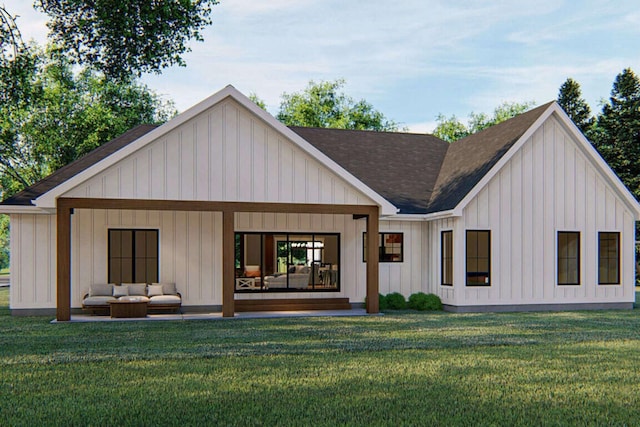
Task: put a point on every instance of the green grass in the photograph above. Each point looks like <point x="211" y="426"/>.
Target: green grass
<point x="4" y="271"/>
<point x="571" y="368"/>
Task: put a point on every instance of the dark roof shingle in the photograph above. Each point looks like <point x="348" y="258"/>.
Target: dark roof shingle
<point x="401" y="167"/>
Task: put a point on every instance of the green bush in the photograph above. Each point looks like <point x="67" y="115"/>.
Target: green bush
<point x="382" y="301"/>
<point x="396" y="301"/>
<point x="422" y="302"/>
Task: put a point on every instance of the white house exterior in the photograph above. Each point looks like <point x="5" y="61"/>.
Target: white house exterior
<point x="225" y="186"/>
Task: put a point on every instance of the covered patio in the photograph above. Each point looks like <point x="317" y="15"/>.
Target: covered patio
<point x="65" y="208"/>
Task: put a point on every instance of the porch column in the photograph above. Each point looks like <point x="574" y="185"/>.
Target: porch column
<point x="228" y="263"/>
<point x="372" y="261"/>
<point x="63" y="262"/>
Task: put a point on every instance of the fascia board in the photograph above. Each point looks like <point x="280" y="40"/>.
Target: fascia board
<point x="421" y="217"/>
<point x="21" y="209"/>
<point x="48" y="199"/>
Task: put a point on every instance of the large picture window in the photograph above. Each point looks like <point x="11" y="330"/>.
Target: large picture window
<point x="568" y="258"/>
<point x="133" y="256"/>
<point x="390" y="247"/>
<point x="287" y="262"/>
<point x="608" y="258"/>
<point x="478" y="258"/>
<point x="446" y="261"/>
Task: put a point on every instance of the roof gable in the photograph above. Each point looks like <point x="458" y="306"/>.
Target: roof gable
<point x="46" y="192"/>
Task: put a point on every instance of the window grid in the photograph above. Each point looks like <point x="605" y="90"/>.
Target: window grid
<point x="446" y="262"/>
<point x="568" y="258"/>
<point x="133" y="256"/>
<point x="390" y="247"/>
<point x="478" y="257"/>
<point x="608" y="258"/>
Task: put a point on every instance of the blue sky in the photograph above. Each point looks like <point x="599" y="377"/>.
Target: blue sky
<point x="412" y="59"/>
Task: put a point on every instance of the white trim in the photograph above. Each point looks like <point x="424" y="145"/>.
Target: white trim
<point x="23" y="209"/>
<point x="422" y="217"/>
<point x="48" y="199"/>
<point x="584" y="145"/>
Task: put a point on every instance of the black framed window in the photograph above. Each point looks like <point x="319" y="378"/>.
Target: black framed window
<point x="133" y="256"/>
<point x="478" y="257"/>
<point x="390" y="247"/>
<point x="608" y="258"/>
<point x="446" y="258"/>
<point x="287" y="262"/>
<point x="568" y="258"/>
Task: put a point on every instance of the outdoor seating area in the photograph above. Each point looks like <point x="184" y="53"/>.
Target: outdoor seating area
<point x="131" y="299"/>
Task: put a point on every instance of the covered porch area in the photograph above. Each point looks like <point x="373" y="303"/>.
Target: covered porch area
<point x="228" y="211"/>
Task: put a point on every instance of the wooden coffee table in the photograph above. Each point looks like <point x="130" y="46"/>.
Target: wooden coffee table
<point x="128" y="309"/>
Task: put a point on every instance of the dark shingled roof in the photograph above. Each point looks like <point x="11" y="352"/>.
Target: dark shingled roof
<point x="470" y="158"/>
<point x="417" y="173"/>
<point x="24" y="197"/>
<point x="401" y="167"/>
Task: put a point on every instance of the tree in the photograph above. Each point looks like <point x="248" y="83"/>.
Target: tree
<point x="451" y="128"/>
<point x="67" y="116"/>
<point x="4" y="241"/>
<point x="571" y="101"/>
<point x="124" y="38"/>
<point x="324" y="105"/>
<point x="617" y="136"/>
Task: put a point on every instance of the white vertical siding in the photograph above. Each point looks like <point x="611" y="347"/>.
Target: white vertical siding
<point x="433" y="265"/>
<point x="33" y="261"/>
<point x="223" y="154"/>
<point x="549" y="185"/>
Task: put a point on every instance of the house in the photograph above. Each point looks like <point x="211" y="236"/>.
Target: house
<point x="239" y="210"/>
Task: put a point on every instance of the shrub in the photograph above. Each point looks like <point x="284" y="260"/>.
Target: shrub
<point x="396" y="301"/>
<point x="421" y="301"/>
<point x="382" y="301"/>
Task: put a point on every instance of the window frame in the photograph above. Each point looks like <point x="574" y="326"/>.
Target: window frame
<point x="466" y="259"/>
<point x="578" y="258"/>
<point x="315" y="287"/>
<point x="381" y="239"/>
<point x="618" y="259"/>
<point x="446" y="259"/>
<point x="133" y="254"/>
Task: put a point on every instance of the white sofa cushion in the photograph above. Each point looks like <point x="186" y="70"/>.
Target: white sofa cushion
<point x="168" y="288"/>
<point x="120" y="291"/>
<point x="154" y="290"/>
<point x="165" y="299"/>
<point x="101" y="290"/>
<point x="137" y="288"/>
<point x="98" y="300"/>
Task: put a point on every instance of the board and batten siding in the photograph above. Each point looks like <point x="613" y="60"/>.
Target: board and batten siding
<point x="549" y="185"/>
<point x="33" y="261"/>
<point x="223" y="154"/>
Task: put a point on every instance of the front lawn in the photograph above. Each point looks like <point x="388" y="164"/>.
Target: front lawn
<point x="575" y="368"/>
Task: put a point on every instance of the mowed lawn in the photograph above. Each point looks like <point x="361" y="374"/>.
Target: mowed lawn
<point x="571" y="368"/>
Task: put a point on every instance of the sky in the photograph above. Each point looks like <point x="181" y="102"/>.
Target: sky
<point x="411" y="59"/>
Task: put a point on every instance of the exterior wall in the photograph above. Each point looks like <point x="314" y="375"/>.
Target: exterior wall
<point x="548" y="186"/>
<point x="223" y="154"/>
<point x="33" y="261"/>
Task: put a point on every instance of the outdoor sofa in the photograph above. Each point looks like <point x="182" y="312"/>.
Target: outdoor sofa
<point x="159" y="296"/>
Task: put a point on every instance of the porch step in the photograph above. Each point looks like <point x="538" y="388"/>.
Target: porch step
<point x="293" y="304"/>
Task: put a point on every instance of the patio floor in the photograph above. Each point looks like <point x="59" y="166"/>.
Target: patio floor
<point x="80" y="318"/>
